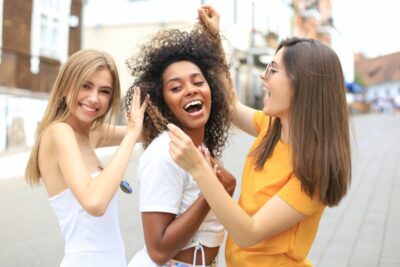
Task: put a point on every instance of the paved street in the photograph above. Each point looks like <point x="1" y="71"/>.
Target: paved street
<point x="363" y="231"/>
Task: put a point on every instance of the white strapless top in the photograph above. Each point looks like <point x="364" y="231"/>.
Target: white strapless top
<point x="89" y="240"/>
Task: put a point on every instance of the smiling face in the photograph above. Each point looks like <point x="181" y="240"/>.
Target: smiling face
<point x="278" y="87"/>
<point x="93" y="98"/>
<point x="187" y="95"/>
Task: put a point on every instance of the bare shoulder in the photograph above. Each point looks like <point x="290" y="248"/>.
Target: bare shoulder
<point x="58" y="130"/>
<point x="56" y="133"/>
<point x="59" y="127"/>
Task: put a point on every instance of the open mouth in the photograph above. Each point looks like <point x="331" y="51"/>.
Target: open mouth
<point x="267" y="93"/>
<point x="88" y="109"/>
<point x="193" y="106"/>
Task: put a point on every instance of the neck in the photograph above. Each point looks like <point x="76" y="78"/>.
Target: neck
<point x="285" y="130"/>
<point x="197" y="135"/>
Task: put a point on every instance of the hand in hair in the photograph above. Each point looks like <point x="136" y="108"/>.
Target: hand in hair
<point x="136" y="112"/>
<point x="209" y="18"/>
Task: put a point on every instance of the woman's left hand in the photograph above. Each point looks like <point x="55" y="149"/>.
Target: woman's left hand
<point x="226" y="178"/>
<point x="183" y="151"/>
<point x="209" y="17"/>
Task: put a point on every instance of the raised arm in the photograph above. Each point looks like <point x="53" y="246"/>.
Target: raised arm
<point x="93" y="194"/>
<point x="242" y="114"/>
<point x="274" y="217"/>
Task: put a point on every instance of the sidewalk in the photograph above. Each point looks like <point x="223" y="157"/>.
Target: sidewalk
<point x="363" y="231"/>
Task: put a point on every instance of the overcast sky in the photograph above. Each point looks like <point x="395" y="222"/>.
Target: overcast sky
<point x="370" y="26"/>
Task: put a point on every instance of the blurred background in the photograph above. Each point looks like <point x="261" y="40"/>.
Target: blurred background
<point x="37" y="36"/>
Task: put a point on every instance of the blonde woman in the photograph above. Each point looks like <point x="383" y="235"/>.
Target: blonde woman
<point x="84" y="101"/>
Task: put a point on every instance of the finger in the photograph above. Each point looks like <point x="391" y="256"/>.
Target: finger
<point x="174" y="137"/>
<point x="173" y="151"/>
<point x="137" y="98"/>
<point x="215" y="168"/>
<point x="203" y="15"/>
<point x="207" y="156"/>
<point x="145" y="104"/>
<point x="177" y="132"/>
<point x="134" y="96"/>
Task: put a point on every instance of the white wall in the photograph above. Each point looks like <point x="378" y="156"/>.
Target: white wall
<point x="119" y="26"/>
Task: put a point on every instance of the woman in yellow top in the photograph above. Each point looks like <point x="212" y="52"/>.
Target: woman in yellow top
<point x="299" y="163"/>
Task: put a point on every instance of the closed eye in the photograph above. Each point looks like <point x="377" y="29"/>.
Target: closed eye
<point x="106" y="91"/>
<point x="273" y="70"/>
<point x="175" y="89"/>
<point x="199" y="83"/>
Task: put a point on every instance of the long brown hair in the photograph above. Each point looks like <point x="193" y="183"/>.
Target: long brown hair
<point x="318" y="121"/>
<point x="70" y="78"/>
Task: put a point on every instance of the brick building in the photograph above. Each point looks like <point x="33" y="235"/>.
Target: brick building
<point x="36" y="37"/>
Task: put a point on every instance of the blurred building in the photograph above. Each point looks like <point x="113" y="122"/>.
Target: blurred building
<point x="248" y="25"/>
<point x="381" y="79"/>
<point x="36" y="37"/>
<point x="253" y="28"/>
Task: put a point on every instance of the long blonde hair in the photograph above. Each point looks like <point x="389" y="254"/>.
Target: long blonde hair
<point x="70" y="78"/>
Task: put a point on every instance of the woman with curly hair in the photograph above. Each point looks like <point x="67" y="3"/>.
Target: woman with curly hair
<point x="181" y="72"/>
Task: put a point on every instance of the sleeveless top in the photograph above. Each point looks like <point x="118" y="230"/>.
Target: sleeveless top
<point x="89" y="240"/>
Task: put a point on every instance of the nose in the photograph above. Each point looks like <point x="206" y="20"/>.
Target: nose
<point x="93" y="96"/>
<point x="191" y="89"/>
<point x="263" y="75"/>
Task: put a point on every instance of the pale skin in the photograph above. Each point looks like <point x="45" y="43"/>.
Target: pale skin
<point x="67" y="156"/>
<point x="275" y="215"/>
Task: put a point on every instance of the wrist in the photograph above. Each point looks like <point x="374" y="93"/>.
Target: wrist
<point x="132" y="133"/>
<point x="198" y="170"/>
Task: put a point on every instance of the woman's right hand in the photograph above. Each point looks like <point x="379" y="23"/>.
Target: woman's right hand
<point x="136" y="114"/>
<point x="209" y="18"/>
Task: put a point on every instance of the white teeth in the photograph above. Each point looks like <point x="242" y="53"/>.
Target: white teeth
<point x="88" y="108"/>
<point x="267" y="92"/>
<point x="192" y="103"/>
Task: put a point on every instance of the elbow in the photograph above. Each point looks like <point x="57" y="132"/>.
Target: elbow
<point x="244" y="244"/>
<point x="95" y="208"/>
<point x="159" y="257"/>
<point x="247" y="241"/>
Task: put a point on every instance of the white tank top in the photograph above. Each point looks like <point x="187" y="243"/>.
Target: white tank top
<point x="89" y="240"/>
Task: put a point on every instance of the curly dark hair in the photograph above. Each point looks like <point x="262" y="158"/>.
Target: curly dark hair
<point x="169" y="46"/>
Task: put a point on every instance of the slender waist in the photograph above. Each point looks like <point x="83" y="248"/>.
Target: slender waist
<point x="188" y="255"/>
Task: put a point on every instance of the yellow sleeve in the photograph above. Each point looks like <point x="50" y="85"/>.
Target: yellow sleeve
<point x="292" y="194"/>
<point x="260" y="121"/>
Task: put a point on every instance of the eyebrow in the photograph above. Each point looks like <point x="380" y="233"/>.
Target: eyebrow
<point x="102" y="87"/>
<point x="274" y="64"/>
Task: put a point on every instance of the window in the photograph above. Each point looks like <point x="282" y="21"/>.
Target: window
<point x="50" y="31"/>
<point x="1" y="27"/>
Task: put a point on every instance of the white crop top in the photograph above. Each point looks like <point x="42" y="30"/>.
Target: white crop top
<point x="166" y="187"/>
